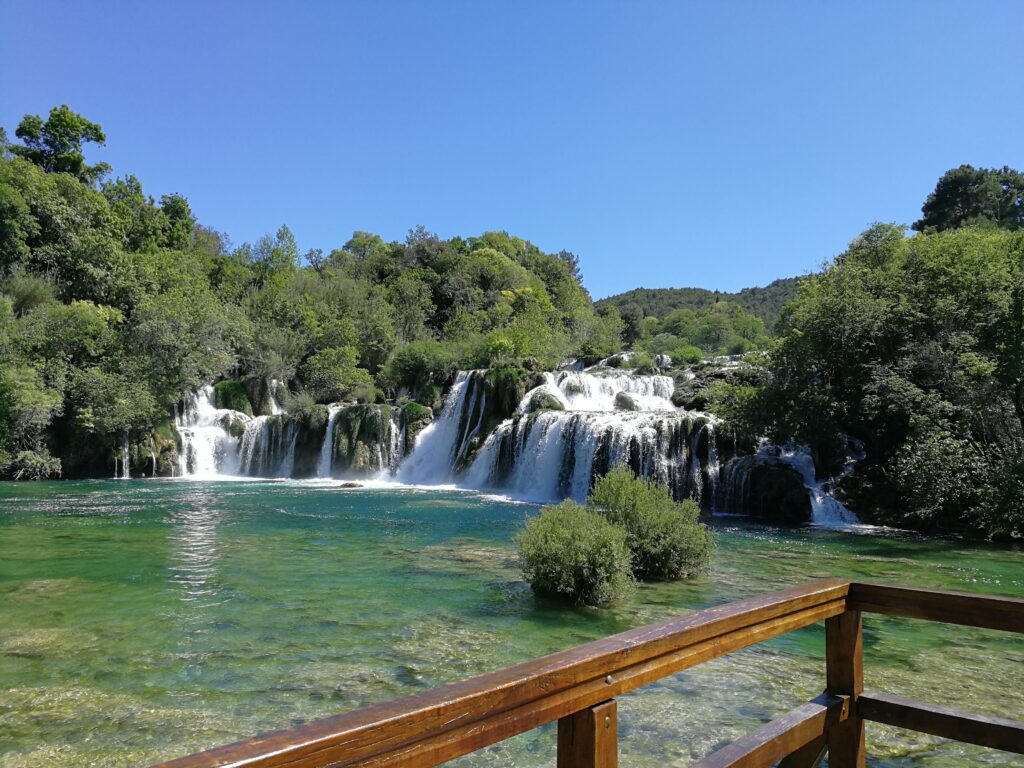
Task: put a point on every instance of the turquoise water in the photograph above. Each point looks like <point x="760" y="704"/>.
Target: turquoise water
<point x="144" y="620"/>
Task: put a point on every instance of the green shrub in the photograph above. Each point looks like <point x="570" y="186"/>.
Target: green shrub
<point x="573" y="553"/>
<point x="231" y="395"/>
<point x="665" y="538"/>
<point x="642" y="360"/>
<point x="687" y="355"/>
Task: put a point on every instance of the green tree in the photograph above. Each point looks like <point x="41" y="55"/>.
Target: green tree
<point x="969" y="195"/>
<point x="55" y="144"/>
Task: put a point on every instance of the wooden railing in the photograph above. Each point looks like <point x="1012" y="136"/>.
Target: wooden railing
<point x="577" y="687"/>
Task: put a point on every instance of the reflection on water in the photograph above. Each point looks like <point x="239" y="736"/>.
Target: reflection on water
<point x="194" y="539"/>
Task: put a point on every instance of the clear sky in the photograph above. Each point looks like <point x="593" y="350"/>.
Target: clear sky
<point x="719" y="144"/>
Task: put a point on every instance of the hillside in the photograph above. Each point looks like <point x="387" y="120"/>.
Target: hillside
<point x="765" y="303"/>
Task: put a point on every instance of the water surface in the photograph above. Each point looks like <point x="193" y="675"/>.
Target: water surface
<point x="144" y="620"/>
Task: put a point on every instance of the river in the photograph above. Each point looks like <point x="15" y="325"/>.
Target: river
<point x="142" y="620"/>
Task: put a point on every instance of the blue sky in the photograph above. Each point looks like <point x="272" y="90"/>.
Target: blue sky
<point x="719" y="145"/>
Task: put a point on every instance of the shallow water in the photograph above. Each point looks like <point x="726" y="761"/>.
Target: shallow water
<point x="144" y="620"/>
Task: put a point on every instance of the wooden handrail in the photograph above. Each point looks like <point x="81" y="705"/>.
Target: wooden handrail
<point x="577" y="686"/>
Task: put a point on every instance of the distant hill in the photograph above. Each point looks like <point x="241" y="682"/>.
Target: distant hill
<point x="764" y="302"/>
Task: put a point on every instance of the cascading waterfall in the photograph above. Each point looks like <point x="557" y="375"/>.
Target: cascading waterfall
<point x="826" y="510"/>
<point x="122" y="468"/>
<point x="268" y="447"/>
<point x="601" y="421"/>
<point x="208" y="448"/>
<point x="433" y="459"/>
<point x="553" y="441"/>
<point x="323" y="465"/>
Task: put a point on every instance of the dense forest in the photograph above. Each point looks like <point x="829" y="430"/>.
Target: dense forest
<point x="914" y="346"/>
<point x="113" y="304"/>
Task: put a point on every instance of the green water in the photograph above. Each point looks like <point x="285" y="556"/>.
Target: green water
<point x="144" y="620"/>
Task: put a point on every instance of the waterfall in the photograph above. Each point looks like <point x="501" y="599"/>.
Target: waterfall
<point x="603" y="420"/>
<point x="275" y="406"/>
<point x="433" y="458"/>
<point x="558" y="454"/>
<point x="826" y="510"/>
<point x="124" y="463"/>
<point x="207" y="447"/>
<point x="268" y="447"/>
<point x="323" y="465"/>
<point x="152" y="456"/>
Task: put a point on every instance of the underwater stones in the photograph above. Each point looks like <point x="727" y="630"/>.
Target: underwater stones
<point x="45" y="642"/>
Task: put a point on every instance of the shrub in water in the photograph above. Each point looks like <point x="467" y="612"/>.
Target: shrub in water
<point x="665" y="538"/>
<point x="571" y="552"/>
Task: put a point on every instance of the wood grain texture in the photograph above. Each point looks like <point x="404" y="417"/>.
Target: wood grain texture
<point x="995" y="732"/>
<point x="443" y="723"/>
<point x="808" y="756"/>
<point x="590" y="738"/>
<point x="807" y="724"/>
<point x="438" y="725"/>
<point x="844" y="675"/>
<point x="963" y="608"/>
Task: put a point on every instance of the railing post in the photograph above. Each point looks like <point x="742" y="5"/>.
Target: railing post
<point x="590" y="738"/>
<point x="844" y="674"/>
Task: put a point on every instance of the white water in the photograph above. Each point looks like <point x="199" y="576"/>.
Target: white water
<point x="323" y="465"/>
<point x="607" y="419"/>
<point x="432" y="459"/>
<point x="122" y="470"/>
<point x="826" y="510"/>
<point x="207" y="448"/>
<point x="579" y="391"/>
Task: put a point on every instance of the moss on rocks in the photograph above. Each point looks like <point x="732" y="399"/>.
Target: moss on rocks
<point x="231" y="395"/>
<point x="545" y="401"/>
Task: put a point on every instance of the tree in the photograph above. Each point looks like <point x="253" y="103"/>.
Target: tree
<point x="56" y="144"/>
<point x="332" y="374"/>
<point x="969" y="195"/>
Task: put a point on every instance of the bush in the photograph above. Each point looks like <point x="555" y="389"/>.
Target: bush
<point x="665" y="538"/>
<point x="231" y="395"/>
<point x="687" y="355"/>
<point x="571" y="552"/>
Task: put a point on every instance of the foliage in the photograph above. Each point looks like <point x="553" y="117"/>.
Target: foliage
<point x="915" y="345"/>
<point x="570" y="552"/>
<point x="114" y="302"/>
<point x="665" y="538"/>
<point x="967" y="196"/>
<point x="56" y="143"/>
<point x="765" y="303"/>
<point x="332" y="374"/>
<point x="231" y="395"/>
